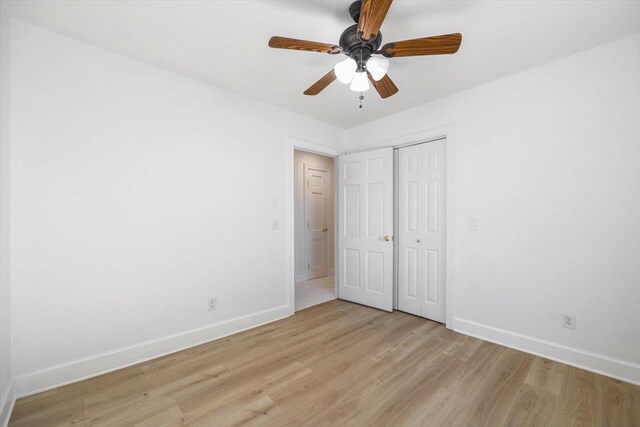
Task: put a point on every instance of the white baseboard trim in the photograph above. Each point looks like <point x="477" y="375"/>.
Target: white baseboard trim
<point x="78" y="370"/>
<point x="6" y="405"/>
<point x="301" y="278"/>
<point x="598" y="363"/>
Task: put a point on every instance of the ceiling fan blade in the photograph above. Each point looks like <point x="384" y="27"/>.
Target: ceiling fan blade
<point x="372" y="13"/>
<point x="287" y="43"/>
<point x="384" y="86"/>
<point x="436" y="45"/>
<point x="318" y="86"/>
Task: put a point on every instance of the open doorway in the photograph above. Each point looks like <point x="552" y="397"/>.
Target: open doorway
<point x="314" y="229"/>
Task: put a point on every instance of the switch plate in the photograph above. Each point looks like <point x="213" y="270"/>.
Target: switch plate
<point x="275" y="225"/>
<point x="474" y="224"/>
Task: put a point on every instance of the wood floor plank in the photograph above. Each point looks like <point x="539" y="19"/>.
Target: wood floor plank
<point x="532" y="406"/>
<point x="547" y="374"/>
<point x="340" y="364"/>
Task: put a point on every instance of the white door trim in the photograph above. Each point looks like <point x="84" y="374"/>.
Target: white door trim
<point x="291" y="145"/>
<point x="446" y="131"/>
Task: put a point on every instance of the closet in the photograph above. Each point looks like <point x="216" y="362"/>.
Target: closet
<point x="374" y="265"/>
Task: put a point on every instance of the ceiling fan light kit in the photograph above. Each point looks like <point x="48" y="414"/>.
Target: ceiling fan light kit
<point x="377" y="67"/>
<point x="367" y="62"/>
<point x="360" y="82"/>
<point x="345" y="70"/>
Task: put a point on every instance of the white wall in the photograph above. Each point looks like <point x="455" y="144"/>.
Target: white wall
<point x="6" y="392"/>
<point x="137" y="195"/>
<point x="300" y="159"/>
<point x="549" y="161"/>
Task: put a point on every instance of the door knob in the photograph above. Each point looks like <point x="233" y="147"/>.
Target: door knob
<point x="418" y="241"/>
<point x="387" y="238"/>
<point x="324" y="229"/>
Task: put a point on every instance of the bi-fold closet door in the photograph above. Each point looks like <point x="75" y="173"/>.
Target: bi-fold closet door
<point x="421" y="229"/>
<point x="366" y="223"/>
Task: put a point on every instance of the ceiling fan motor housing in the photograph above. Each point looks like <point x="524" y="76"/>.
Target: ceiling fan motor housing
<point x="353" y="46"/>
<point x="354" y="10"/>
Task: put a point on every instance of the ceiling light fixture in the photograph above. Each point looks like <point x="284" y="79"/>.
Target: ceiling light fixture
<point x="378" y="67"/>
<point x="360" y="82"/>
<point x="345" y="69"/>
<point x="362" y="44"/>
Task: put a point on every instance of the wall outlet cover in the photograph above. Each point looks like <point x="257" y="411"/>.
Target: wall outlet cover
<point x="569" y="321"/>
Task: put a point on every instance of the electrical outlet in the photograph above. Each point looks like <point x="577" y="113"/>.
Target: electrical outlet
<point x="569" y="321"/>
<point x="212" y="304"/>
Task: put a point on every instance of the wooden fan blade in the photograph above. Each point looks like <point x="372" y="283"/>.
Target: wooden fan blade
<point x="372" y="13"/>
<point x="287" y="43"/>
<point x="436" y="45"/>
<point x="384" y="86"/>
<point x="318" y="86"/>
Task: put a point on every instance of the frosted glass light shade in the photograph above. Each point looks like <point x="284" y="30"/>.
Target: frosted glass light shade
<point x="360" y="82"/>
<point x="345" y="69"/>
<point x="378" y="67"/>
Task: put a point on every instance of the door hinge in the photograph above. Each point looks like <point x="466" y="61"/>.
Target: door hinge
<point x="308" y="267"/>
<point x="308" y="183"/>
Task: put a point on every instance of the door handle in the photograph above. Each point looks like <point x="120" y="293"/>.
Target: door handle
<point x="387" y="238"/>
<point x="324" y="229"/>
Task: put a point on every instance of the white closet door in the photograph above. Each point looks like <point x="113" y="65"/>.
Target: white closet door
<point x="422" y="230"/>
<point x="365" y="194"/>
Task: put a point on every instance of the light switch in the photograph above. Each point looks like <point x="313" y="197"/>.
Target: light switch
<point x="474" y="224"/>
<point x="275" y="225"/>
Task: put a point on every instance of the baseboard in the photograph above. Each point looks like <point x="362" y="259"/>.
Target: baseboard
<point x="301" y="278"/>
<point x="79" y="370"/>
<point x="6" y="405"/>
<point x="598" y="363"/>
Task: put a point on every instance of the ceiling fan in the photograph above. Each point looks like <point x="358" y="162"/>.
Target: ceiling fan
<point x="367" y="61"/>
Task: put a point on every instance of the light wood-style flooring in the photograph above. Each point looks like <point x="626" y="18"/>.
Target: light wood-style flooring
<point x="341" y="364"/>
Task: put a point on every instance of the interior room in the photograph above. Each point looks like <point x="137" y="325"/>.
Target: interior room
<point x="354" y="213"/>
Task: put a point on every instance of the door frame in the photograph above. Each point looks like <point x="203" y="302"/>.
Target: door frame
<point x="427" y="135"/>
<point x="293" y="144"/>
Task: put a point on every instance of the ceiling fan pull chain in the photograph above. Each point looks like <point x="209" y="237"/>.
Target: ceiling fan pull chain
<point x="361" y="98"/>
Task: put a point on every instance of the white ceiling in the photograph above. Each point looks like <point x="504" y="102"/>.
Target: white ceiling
<point x="224" y="43"/>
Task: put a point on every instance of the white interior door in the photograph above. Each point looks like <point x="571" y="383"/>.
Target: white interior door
<point x="365" y="194"/>
<point x="422" y="229"/>
<point x="315" y="211"/>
